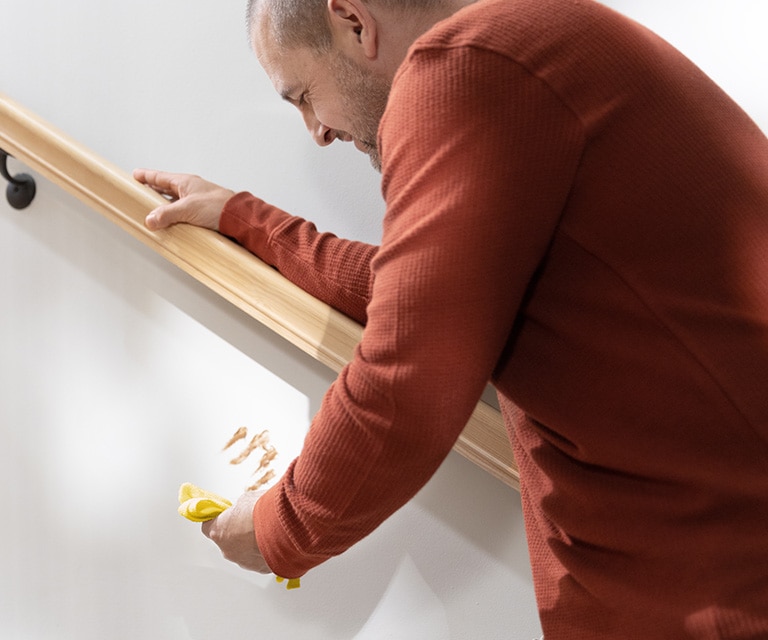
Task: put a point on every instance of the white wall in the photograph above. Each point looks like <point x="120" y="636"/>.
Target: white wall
<point x="120" y="377"/>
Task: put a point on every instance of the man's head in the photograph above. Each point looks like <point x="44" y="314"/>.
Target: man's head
<point x="335" y="59"/>
<point x="292" y="23"/>
<point x="305" y="23"/>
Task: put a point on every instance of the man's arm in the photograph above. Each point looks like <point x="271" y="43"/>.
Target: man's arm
<point x="334" y="270"/>
<point x="331" y="269"/>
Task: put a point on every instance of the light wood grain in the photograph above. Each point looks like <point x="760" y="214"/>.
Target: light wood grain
<point x="220" y="264"/>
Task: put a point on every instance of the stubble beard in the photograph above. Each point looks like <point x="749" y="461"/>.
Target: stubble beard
<point x="364" y="97"/>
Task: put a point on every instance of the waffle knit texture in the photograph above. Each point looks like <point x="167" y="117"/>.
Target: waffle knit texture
<point x="576" y="213"/>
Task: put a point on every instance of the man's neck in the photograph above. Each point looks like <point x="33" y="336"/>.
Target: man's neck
<point x="398" y="30"/>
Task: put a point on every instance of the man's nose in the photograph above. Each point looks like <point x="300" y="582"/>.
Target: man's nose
<point x="321" y="134"/>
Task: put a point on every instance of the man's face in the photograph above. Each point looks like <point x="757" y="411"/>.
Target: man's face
<point x="337" y="98"/>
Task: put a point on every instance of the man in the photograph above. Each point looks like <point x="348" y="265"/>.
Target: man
<point x="575" y="213"/>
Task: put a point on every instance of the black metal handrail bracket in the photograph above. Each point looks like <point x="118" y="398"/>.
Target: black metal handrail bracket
<point x="21" y="187"/>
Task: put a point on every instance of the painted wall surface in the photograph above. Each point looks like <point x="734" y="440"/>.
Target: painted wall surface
<point x="120" y="377"/>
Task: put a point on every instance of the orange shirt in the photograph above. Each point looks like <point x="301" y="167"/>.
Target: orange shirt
<point x="576" y="213"/>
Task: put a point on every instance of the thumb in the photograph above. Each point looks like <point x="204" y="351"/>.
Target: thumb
<point x="206" y="526"/>
<point x="164" y="216"/>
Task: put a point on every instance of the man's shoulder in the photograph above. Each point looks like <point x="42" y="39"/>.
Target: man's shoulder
<point x="521" y="29"/>
<point x="501" y="24"/>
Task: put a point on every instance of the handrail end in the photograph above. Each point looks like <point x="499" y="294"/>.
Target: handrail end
<point x="21" y="188"/>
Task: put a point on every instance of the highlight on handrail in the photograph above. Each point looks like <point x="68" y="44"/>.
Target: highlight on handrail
<point x="21" y="187"/>
<point x="220" y="264"/>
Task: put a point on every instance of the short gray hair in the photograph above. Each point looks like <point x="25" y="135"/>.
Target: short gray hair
<point x="293" y="23"/>
<point x="304" y="23"/>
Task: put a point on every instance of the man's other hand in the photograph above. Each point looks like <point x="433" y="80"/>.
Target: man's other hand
<point x="232" y="531"/>
<point x="192" y="199"/>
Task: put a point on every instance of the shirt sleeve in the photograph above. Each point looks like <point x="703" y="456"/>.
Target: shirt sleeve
<point x="334" y="270"/>
<point x="475" y="177"/>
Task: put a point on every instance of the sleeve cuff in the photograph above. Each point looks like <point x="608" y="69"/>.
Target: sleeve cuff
<point x="284" y="558"/>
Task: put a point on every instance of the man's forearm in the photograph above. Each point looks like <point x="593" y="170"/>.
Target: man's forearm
<point x="334" y="270"/>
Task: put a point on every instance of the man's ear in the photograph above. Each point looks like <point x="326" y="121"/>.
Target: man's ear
<point x="354" y="27"/>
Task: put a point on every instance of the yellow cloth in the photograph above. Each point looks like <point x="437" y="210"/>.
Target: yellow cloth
<point x="199" y="505"/>
<point x="293" y="583"/>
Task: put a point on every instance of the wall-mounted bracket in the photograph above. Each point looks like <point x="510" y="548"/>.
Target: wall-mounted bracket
<point x="21" y="188"/>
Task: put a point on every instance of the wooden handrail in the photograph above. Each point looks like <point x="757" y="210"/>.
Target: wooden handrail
<point x="222" y="265"/>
